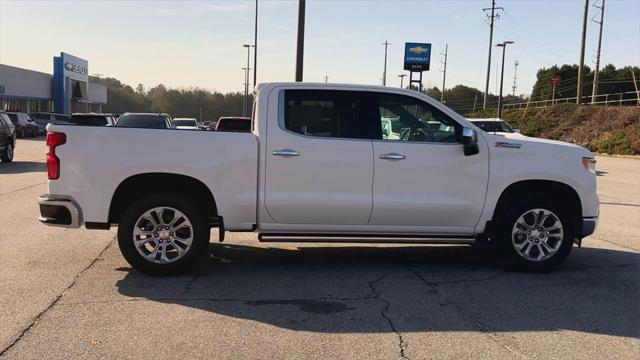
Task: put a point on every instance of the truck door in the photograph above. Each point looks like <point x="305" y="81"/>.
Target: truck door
<point x="319" y="159"/>
<point x="422" y="177"/>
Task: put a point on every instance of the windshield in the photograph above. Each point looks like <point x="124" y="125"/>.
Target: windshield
<point x="89" y="120"/>
<point x="493" y="126"/>
<point x="141" y="121"/>
<point x="185" y="122"/>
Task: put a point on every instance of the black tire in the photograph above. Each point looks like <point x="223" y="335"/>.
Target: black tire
<point x="7" y="155"/>
<point x="506" y="221"/>
<point x="200" y="227"/>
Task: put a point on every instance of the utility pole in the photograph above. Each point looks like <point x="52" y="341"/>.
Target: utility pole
<point x="300" y="43"/>
<point x="401" y="76"/>
<point x="384" y="72"/>
<point x="444" y="72"/>
<point x="515" y="76"/>
<point x="594" y="92"/>
<point x="255" y="48"/>
<point x="491" y="17"/>
<point x="503" y="45"/>
<point x="581" y="63"/>
<point x="326" y="78"/>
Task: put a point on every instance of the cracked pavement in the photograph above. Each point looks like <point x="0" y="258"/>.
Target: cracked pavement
<point x="68" y="294"/>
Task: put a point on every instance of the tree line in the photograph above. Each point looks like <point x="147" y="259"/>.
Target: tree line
<point x="191" y="102"/>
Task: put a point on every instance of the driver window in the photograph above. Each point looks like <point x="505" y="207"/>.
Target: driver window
<point x="404" y="118"/>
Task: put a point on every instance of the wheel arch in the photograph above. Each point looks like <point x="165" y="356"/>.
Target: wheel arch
<point x="550" y="189"/>
<point x="145" y="184"/>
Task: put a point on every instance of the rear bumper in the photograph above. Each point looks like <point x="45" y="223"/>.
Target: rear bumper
<point x="58" y="212"/>
<point x="588" y="226"/>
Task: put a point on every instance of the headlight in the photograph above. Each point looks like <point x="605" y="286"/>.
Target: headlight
<point x="589" y="164"/>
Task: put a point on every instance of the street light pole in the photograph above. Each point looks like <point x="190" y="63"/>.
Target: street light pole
<point x="245" y="110"/>
<point x="503" y="45"/>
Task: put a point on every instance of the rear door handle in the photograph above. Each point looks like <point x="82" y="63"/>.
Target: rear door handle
<point x="285" y="153"/>
<point x="392" y="156"/>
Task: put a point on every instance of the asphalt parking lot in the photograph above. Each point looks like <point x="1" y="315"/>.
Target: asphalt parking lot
<point x="69" y="293"/>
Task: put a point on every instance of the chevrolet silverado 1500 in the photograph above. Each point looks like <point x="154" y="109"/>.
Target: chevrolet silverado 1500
<point x="321" y="165"/>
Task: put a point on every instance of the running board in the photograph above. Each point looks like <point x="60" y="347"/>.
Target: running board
<point x="369" y="239"/>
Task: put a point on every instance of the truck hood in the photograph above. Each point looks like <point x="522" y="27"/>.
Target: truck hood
<point x="515" y="140"/>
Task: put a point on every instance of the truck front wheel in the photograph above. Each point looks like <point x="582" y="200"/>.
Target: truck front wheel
<point x="535" y="234"/>
<point x="163" y="234"/>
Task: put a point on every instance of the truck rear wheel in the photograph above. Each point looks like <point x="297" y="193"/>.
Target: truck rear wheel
<point x="535" y="234"/>
<point x="163" y="235"/>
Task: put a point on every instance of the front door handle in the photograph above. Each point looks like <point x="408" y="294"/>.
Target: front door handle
<point x="285" y="153"/>
<point x="392" y="156"/>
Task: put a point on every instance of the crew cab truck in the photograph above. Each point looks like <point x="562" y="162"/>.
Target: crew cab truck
<point x="317" y="168"/>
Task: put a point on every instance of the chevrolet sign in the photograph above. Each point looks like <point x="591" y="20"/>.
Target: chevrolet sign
<point x="78" y="69"/>
<point x="417" y="56"/>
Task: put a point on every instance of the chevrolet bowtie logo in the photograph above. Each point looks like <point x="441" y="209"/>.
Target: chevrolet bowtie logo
<point x="418" y="50"/>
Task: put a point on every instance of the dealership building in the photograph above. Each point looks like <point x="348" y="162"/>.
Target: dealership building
<point x="66" y="91"/>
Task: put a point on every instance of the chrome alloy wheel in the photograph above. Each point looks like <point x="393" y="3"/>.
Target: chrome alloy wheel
<point x="163" y="235"/>
<point x="537" y="235"/>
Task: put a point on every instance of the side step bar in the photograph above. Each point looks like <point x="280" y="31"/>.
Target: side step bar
<point x="367" y="238"/>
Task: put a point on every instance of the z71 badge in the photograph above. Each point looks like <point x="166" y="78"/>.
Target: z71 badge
<point x="502" y="144"/>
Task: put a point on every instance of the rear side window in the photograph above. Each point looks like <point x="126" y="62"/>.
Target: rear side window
<point x="325" y="113"/>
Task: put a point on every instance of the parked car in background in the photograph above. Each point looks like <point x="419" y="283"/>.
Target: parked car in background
<point x="494" y="125"/>
<point x="212" y="126"/>
<point x="42" y="119"/>
<point x="234" y="123"/>
<point x="205" y="125"/>
<point x="145" y="120"/>
<point x="7" y="138"/>
<point x="93" y="119"/>
<point x="306" y="173"/>
<point x="24" y="126"/>
<point x="185" y="123"/>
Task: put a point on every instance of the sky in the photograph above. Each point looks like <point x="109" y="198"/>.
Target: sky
<point x="199" y="43"/>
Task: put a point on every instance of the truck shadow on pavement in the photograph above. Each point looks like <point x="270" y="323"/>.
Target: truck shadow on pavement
<point x="403" y="289"/>
<point x="21" y="167"/>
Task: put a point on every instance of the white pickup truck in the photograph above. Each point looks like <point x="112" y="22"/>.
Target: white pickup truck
<point x="318" y="167"/>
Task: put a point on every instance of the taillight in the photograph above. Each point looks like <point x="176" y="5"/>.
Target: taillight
<point x="53" y="163"/>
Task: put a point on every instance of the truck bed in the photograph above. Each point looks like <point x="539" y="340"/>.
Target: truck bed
<point x="95" y="160"/>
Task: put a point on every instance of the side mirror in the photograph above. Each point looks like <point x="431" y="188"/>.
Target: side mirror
<point x="516" y="131"/>
<point x="470" y="142"/>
